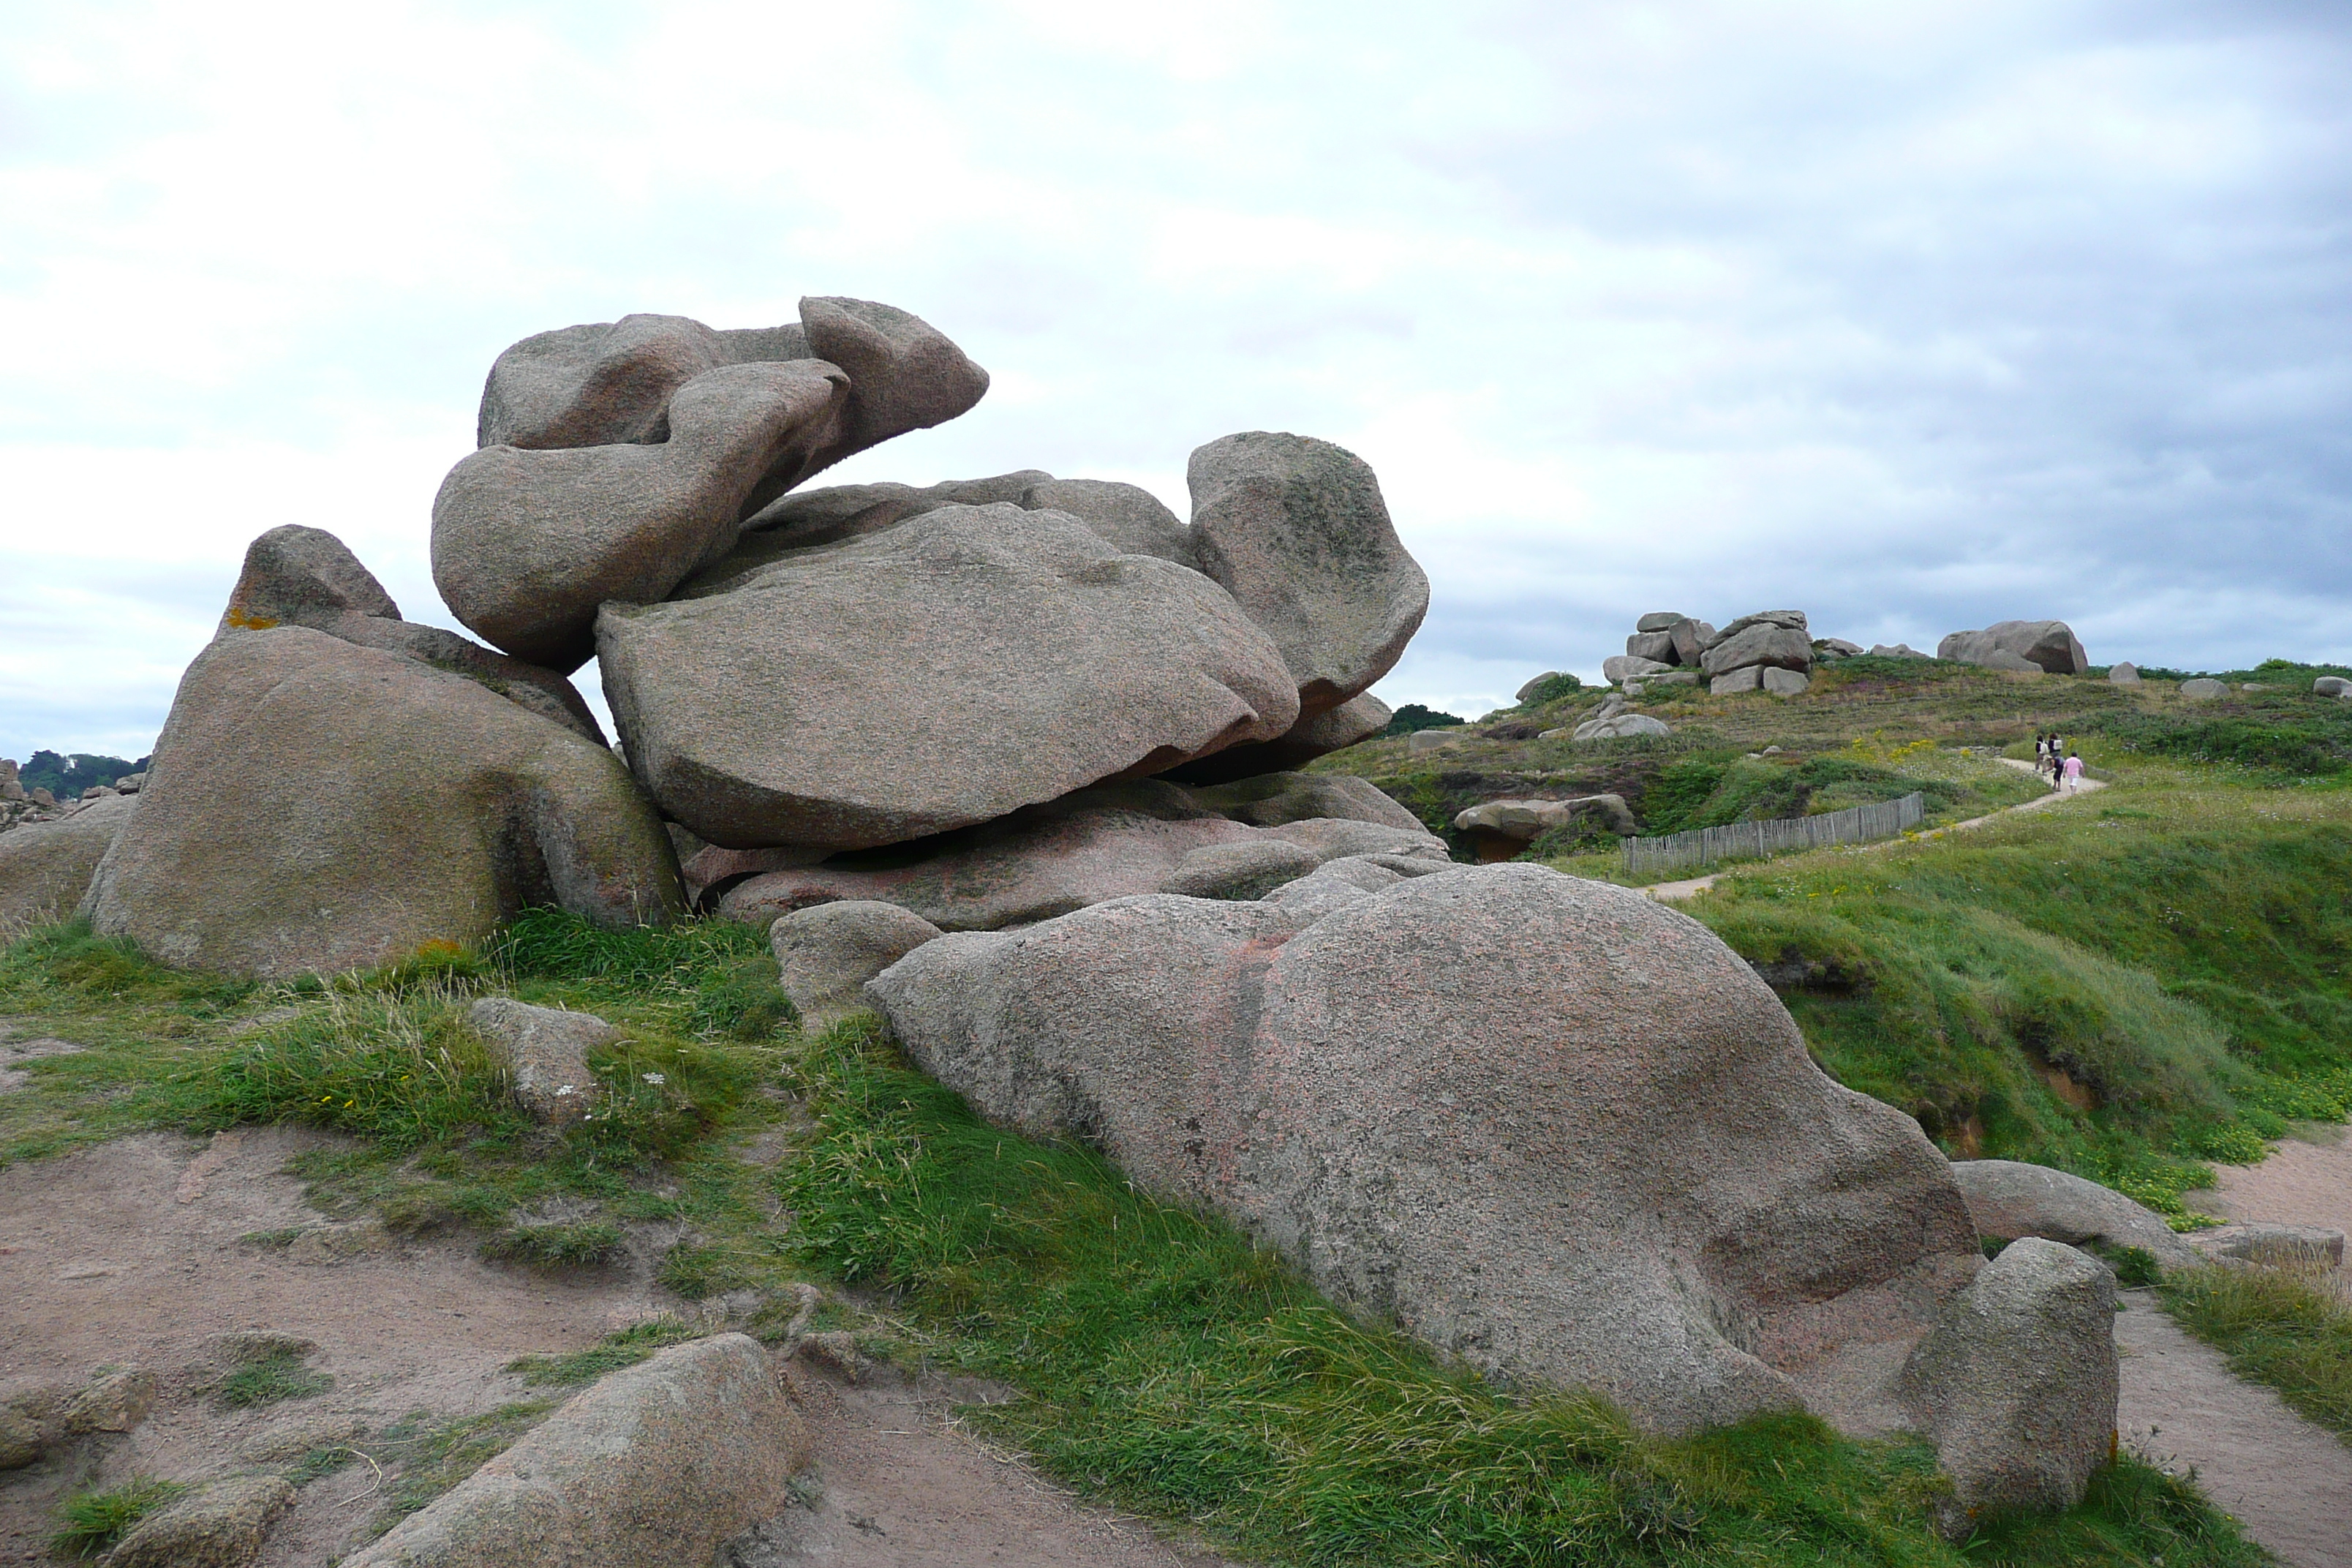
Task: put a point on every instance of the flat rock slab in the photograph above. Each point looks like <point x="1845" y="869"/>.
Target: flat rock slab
<point x="2287" y="1480"/>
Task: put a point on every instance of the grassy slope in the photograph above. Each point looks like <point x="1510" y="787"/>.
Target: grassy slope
<point x="1170" y="1366"/>
<point x="2126" y="987"/>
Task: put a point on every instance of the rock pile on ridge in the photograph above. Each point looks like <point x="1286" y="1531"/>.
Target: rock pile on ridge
<point x="1769" y="651"/>
<point x="951" y="675"/>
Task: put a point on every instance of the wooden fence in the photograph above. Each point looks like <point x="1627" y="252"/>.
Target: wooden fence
<point x="1654" y="859"/>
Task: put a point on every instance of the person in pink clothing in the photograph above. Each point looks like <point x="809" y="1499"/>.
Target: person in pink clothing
<point x="2073" y="770"/>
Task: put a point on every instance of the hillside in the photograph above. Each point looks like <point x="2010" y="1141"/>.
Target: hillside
<point x="2127" y="987"/>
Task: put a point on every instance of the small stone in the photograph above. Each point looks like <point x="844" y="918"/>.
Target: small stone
<point x="545" y="1051"/>
<point x="826" y="954"/>
<point x="2016" y="1385"/>
<point x="221" y="1526"/>
<point x="2123" y="674"/>
<point x="2331" y="686"/>
<point x="2203" y="689"/>
<point x="113" y="1401"/>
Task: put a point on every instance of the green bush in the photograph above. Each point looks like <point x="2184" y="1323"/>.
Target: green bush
<point x="1412" y="716"/>
<point x="1552" y="688"/>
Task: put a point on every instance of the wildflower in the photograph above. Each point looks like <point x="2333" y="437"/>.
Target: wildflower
<point x="565" y="1089"/>
<point x="656" y="1078"/>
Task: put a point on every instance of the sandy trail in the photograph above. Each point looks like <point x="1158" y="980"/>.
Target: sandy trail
<point x="130" y="1253"/>
<point x="1671" y="892"/>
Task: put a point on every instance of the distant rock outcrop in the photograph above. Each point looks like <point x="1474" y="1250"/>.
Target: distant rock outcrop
<point x="2044" y="647"/>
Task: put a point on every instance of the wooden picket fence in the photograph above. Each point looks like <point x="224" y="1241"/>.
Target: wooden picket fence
<point x="1654" y="859"/>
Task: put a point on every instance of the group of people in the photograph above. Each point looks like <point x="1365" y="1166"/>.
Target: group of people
<point x="2050" y="756"/>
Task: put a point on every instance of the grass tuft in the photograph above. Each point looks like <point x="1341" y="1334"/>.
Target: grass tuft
<point x="267" y="1381"/>
<point x="626" y="1348"/>
<point x="570" y="1245"/>
<point x="93" y="1522"/>
<point x="2288" y="1327"/>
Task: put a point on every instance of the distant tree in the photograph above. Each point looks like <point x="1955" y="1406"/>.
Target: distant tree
<point x="1413" y="716"/>
<point x="67" y="776"/>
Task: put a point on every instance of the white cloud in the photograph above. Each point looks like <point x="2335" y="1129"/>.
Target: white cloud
<point x="1914" y="317"/>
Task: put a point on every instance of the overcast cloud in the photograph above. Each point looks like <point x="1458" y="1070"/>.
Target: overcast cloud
<point x="1913" y="317"/>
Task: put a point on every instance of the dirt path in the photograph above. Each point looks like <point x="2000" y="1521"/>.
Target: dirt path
<point x="2288" y="1480"/>
<point x="1671" y="892"/>
<point x="2303" y="1182"/>
<point x="130" y="1254"/>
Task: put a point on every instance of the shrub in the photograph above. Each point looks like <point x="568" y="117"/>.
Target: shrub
<point x="1412" y="716"/>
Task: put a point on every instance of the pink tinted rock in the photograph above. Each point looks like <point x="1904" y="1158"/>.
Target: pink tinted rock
<point x="1556" y="1131"/>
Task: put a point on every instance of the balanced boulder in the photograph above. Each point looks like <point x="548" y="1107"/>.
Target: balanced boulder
<point x="2050" y="646"/>
<point x="528" y="542"/>
<point x="1553" y="1129"/>
<point x="965" y="663"/>
<point x="1296" y="531"/>
<point x="298" y="576"/>
<point x="318" y="807"/>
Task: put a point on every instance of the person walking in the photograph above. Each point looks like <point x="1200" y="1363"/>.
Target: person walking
<point x="2074" y="771"/>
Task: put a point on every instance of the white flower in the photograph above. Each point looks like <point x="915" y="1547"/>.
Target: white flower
<point x="563" y="1089"/>
<point x="655" y="1078"/>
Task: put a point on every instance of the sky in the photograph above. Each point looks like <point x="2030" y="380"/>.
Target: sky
<point x="1912" y="317"/>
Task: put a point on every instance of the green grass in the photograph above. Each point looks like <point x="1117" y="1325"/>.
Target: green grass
<point x="267" y="1381"/>
<point x="428" y="1456"/>
<point x="2127" y="987"/>
<point x="95" y="1521"/>
<point x="626" y="1348"/>
<point x="555" y="1247"/>
<point x="2286" y="1327"/>
<point x="1172" y="1368"/>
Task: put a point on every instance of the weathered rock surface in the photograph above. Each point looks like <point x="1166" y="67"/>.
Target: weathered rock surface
<point x="2008" y="1199"/>
<point x="115" y="1400"/>
<point x="2016" y="1386"/>
<point x="1249" y="870"/>
<point x="1128" y="516"/>
<point x="2276" y="1244"/>
<point x="1091" y="846"/>
<point x="651" y="1467"/>
<point x="318" y="807"/>
<point x="1691" y="639"/>
<point x="2125" y="673"/>
<point x="1660" y="621"/>
<point x="528" y="542"/>
<point x="544" y="1051"/>
<point x="1558" y="1131"/>
<point x="1622" y="667"/>
<point x="2051" y="647"/>
<point x="220" y="1526"/>
<point x="1528" y="820"/>
<point x="836" y="512"/>
<point x="2204" y="690"/>
<point x="46" y="866"/>
<point x="2325" y="686"/>
<point x="1618" y="726"/>
<point x="1270" y="800"/>
<point x="1759" y="643"/>
<point x="1658" y="646"/>
<point x="1837" y="647"/>
<point x="1896" y="651"/>
<point x="953" y="669"/>
<point x="826" y="953"/>
<point x="300" y="577"/>
<point x="1782" y="682"/>
<point x="613" y="381"/>
<point x="1317" y="736"/>
<point x="1296" y="531"/>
